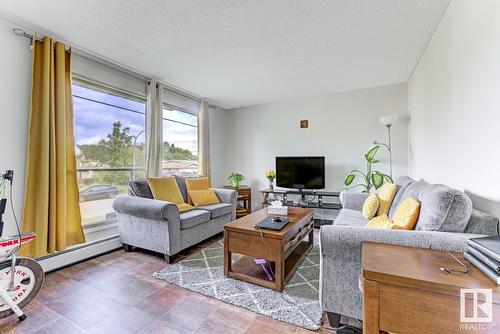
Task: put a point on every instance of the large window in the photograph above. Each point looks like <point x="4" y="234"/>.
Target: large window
<point x="110" y="148"/>
<point x="180" y="142"/>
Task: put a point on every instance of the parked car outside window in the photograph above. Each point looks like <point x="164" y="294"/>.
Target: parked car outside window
<point x="96" y="192"/>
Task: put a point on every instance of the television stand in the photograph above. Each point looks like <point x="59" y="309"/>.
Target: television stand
<point x="303" y="202"/>
<point x="316" y="202"/>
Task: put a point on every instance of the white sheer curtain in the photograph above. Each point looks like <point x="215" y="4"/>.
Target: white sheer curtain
<point x="154" y="129"/>
<point x="203" y="139"/>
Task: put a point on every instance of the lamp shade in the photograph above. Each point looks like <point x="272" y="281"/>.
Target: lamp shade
<point x="388" y="120"/>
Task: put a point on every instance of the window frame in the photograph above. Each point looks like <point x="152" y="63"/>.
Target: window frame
<point x="89" y="83"/>
<point x="172" y="107"/>
<point x="110" y="219"/>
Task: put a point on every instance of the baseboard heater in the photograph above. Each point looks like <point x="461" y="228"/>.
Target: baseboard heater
<point x="79" y="253"/>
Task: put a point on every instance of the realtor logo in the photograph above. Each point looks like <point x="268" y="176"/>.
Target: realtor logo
<point x="481" y="309"/>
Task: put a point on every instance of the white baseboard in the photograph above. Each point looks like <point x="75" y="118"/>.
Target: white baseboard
<point x="70" y="256"/>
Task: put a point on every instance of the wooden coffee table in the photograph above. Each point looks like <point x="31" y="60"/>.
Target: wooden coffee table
<point x="285" y="249"/>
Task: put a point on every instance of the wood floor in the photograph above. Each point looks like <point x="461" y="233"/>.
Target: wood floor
<point x="115" y="293"/>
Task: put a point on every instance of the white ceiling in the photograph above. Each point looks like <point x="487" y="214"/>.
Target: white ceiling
<point x="240" y="52"/>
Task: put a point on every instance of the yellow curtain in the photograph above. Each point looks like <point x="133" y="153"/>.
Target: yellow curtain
<point x="51" y="204"/>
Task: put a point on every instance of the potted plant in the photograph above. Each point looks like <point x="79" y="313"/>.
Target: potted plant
<point x="271" y="175"/>
<point x="370" y="179"/>
<point x="235" y="179"/>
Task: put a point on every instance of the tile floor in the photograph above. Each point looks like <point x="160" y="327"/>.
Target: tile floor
<point x="115" y="293"/>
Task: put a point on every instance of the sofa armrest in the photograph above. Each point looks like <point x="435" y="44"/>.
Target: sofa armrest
<point x="482" y="223"/>
<point x="340" y="259"/>
<point x="146" y="208"/>
<point x="227" y="196"/>
<point x="354" y="201"/>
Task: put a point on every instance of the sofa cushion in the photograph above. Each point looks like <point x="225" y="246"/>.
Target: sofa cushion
<point x="348" y="217"/>
<point x="217" y="210"/>
<point x="403" y="182"/>
<point x="385" y="196"/>
<point x="194" y="184"/>
<point x="165" y="189"/>
<point x="181" y="183"/>
<point x="203" y="197"/>
<point x="140" y="188"/>
<point x="193" y="218"/>
<point x="406" y="215"/>
<point x="370" y="206"/>
<point x="381" y="221"/>
<point x="482" y="223"/>
<point x="183" y="207"/>
<point x="443" y="209"/>
<point x="413" y="190"/>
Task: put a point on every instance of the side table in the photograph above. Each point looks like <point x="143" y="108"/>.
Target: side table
<point x="244" y="200"/>
<point x="404" y="291"/>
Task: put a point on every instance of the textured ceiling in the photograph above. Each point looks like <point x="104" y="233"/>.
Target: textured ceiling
<point x="240" y="52"/>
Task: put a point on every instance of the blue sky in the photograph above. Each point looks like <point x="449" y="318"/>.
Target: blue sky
<point x="94" y="121"/>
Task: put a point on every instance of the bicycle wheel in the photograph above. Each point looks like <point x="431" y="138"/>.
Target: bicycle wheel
<point x="28" y="280"/>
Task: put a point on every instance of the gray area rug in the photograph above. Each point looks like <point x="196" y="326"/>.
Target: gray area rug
<point x="203" y="272"/>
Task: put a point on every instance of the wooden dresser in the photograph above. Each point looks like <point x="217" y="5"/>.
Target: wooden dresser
<point x="404" y="291"/>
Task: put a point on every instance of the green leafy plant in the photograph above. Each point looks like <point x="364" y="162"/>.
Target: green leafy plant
<point x="235" y="179"/>
<point x="370" y="179"/>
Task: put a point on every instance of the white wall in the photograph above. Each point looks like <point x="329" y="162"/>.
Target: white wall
<point x="341" y="127"/>
<point x="454" y="104"/>
<point x="15" y="86"/>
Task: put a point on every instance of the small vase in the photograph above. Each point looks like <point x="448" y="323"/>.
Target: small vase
<point x="271" y="186"/>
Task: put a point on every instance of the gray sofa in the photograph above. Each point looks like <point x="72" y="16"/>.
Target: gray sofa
<point x="446" y="221"/>
<point x="158" y="226"/>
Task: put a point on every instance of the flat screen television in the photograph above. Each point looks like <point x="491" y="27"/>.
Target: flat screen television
<point x="300" y="172"/>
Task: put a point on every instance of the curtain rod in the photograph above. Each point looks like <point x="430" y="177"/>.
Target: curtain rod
<point x="92" y="56"/>
<point x="22" y="33"/>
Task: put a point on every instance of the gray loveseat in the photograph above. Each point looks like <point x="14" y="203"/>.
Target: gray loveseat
<point x="158" y="226"/>
<point x="447" y="210"/>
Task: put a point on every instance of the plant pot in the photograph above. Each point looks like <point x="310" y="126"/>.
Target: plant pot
<point x="235" y="184"/>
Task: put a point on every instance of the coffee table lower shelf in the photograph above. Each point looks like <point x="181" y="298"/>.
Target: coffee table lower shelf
<point x="246" y="270"/>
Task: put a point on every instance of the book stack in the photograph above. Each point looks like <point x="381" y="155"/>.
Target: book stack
<point x="484" y="253"/>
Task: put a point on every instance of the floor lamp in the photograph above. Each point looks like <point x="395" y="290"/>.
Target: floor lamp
<point x="388" y="122"/>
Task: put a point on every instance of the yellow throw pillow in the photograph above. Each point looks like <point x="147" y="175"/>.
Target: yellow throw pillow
<point x="183" y="207"/>
<point x="381" y="221"/>
<point x="201" y="183"/>
<point x="370" y="206"/>
<point x="385" y="197"/>
<point x="406" y="215"/>
<point x="165" y="189"/>
<point x="204" y="197"/>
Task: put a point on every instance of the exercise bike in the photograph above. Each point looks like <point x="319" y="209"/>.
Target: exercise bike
<point x="21" y="278"/>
